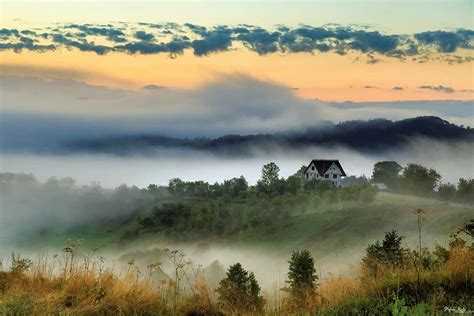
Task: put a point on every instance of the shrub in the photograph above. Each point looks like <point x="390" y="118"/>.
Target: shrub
<point x="301" y="276"/>
<point x="446" y="192"/>
<point x="239" y="292"/>
<point x="389" y="253"/>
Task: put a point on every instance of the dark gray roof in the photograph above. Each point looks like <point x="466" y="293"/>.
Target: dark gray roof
<point x="322" y="165"/>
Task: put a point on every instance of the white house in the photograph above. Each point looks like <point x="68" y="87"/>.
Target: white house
<point x="323" y="169"/>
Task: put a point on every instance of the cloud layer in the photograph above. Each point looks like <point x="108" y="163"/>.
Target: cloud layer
<point x="439" y="88"/>
<point x="42" y="113"/>
<point x="174" y="39"/>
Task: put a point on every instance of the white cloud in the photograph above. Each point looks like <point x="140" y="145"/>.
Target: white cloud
<point x="228" y="104"/>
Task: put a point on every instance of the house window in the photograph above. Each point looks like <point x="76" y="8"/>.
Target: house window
<point x="326" y="176"/>
<point x="312" y="167"/>
<point x="306" y="176"/>
<point x="334" y="176"/>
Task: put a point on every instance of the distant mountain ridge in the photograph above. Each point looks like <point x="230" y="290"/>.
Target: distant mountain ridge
<point x="373" y="135"/>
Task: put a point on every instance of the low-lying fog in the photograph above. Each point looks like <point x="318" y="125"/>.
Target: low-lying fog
<point x="451" y="160"/>
<point x="270" y="267"/>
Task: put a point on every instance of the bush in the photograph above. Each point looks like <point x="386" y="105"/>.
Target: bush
<point x="318" y="186"/>
<point x="447" y="192"/>
<point x="389" y="253"/>
<point x="239" y="292"/>
<point x="420" y="180"/>
<point x="466" y="190"/>
<point x="301" y="276"/>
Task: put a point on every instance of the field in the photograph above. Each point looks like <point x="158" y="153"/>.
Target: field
<point x="342" y="228"/>
<point x="130" y="279"/>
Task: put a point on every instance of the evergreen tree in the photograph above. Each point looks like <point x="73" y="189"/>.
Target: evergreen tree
<point x="239" y="291"/>
<point x="388" y="252"/>
<point x="302" y="274"/>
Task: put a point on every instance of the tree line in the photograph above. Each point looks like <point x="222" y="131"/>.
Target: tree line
<point x="197" y="207"/>
<point x="420" y="180"/>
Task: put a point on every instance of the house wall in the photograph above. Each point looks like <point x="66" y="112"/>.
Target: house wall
<point x="312" y="173"/>
<point x="333" y="174"/>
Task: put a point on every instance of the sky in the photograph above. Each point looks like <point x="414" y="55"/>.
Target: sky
<point x="325" y="50"/>
<point x="74" y="70"/>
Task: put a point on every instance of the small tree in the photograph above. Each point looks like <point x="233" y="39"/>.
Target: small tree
<point x="367" y="193"/>
<point x="176" y="186"/>
<point x="239" y="292"/>
<point x="270" y="174"/>
<point x="300" y="172"/>
<point x="293" y="184"/>
<point x="302" y="275"/>
<point x="447" y="192"/>
<point x="318" y="186"/>
<point x="466" y="190"/>
<point x="387" y="172"/>
<point x="270" y="181"/>
<point x="235" y="186"/>
<point x="419" y="179"/>
<point x="388" y="252"/>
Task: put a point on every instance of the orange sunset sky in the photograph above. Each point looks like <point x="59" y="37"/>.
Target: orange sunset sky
<point x="328" y="76"/>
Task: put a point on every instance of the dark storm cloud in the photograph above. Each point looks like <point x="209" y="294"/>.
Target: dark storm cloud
<point x="111" y="33"/>
<point x="18" y="47"/>
<point x="175" y="47"/>
<point x="81" y="45"/>
<point x="439" y="88"/>
<point x="6" y="33"/>
<point x="217" y="40"/>
<point x="144" y="36"/>
<point x="422" y="47"/>
<point x="28" y="32"/>
<point x="340" y="39"/>
<point x="26" y="43"/>
<point x="259" y="40"/>
<point x="447" y="42"/>
<point x="373" y="42"/>
<point x="196" y="28"/>
<point x="301" y="41"/>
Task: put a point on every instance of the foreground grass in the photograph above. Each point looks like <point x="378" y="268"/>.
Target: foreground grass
<point x="80" y="284"/>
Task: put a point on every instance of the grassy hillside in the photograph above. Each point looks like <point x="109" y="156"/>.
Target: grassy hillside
<point x="140" y="279"/>
<point x="324" y="229"/>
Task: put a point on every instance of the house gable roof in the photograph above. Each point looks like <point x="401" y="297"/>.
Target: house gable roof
<point x="322" y="165"/>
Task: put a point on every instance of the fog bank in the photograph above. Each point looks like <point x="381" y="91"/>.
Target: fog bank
<point x="452" y="160"/>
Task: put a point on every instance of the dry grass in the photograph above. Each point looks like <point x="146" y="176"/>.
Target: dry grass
<point x="336" y="290"/>
<point x="82" y="292"/>
<point x="393" y="290"/>
<point x="81" y="285"/>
